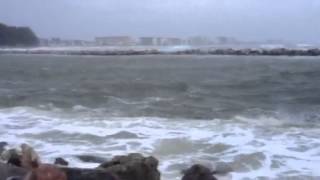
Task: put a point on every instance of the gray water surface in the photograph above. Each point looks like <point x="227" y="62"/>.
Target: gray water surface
<point x="259" y="115"/>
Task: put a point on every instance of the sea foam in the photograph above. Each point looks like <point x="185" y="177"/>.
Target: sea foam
<point x="272" y="151"/>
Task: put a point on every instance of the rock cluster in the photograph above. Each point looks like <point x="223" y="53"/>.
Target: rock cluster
<point x="26" y="165"/>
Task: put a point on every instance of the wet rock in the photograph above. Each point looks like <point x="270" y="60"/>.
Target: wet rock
<point x="15" y="160"/>
<point x="133" y="167"/>
<point x="46" y="172"/>
<point x="203" y="162"/>
<point x="29" y="158"/>
<point x="87" y="174"/>
<point x="3" y="146"/>
<point x="123" y="135"/>
<point x="12" y="157"/>
<point x="7" y="171"/>
<point x="313" y="52"/>
<point x="61" y="161"/>
<point x="198" y="172"/>
<point x="91" y="159"/>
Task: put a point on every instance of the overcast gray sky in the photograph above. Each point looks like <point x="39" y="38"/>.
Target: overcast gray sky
<point x="294" y="20"/>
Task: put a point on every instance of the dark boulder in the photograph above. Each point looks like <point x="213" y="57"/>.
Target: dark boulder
<point x="87" y="174"/>
<point x="29" y="157"/>
<point x="198" y="172"/>
<point x="133" y="167"/>
<point x="61" y="161"/>
<point x="14" y="173"/>
<point x="91" y="159"/>
<point x="46" y="172"/>
<point x="9" y="171"/>
<point x="12" y="157"/>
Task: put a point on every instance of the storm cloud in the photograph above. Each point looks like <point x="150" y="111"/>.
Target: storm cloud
<point x="293" y="20"/>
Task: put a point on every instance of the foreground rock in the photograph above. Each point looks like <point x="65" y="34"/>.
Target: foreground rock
<point x="130" y="167"/>
<point x="29" y="157"/>
<point x="198" y="172"/>
<point x="133" y="167"/>
<point x="7" y="171"/>
<point x="61" y="162"/>
<point x="87" y="174"/>
<point x="12" y="157"/>
<point x="26" y="165"/>
<point x="14" y="173"/>
<point x="46" y="172"/>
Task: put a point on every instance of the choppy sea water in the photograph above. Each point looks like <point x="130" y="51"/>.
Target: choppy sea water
<point x="259" y="115"/>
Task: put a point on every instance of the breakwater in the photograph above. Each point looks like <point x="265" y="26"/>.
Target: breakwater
<point x="151" y="51"/>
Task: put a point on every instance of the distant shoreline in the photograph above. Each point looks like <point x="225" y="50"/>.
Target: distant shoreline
<point x="100" y="51"/>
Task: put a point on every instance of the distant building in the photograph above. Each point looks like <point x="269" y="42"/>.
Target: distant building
<point x="114" y="41"/>
<point x="172" y="41"/>
<point x="160" y="41"/>
<point x="199" y="41"/>
<point x="81" y="43"/>
<point x="148" y="41"/>
<point x="56" y="42"/>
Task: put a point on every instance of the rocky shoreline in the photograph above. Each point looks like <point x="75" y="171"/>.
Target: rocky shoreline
<point x="23" y="163"/>
<point x="209" y="51"/>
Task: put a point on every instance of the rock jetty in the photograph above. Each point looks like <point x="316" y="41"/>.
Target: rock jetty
<point x="204" y="51"/>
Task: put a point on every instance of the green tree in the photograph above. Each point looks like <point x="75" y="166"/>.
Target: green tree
<point x="17" y="36"/>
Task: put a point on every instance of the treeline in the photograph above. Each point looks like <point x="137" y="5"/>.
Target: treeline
<point x="17" y="36"/>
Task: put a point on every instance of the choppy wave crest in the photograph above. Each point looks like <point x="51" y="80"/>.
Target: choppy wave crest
<point x="263" y="146"/>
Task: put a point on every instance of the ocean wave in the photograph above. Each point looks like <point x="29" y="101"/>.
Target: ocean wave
<point x="250" y="145"/>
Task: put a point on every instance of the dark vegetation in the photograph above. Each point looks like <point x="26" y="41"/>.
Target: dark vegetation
<point x="17" y="36"/>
